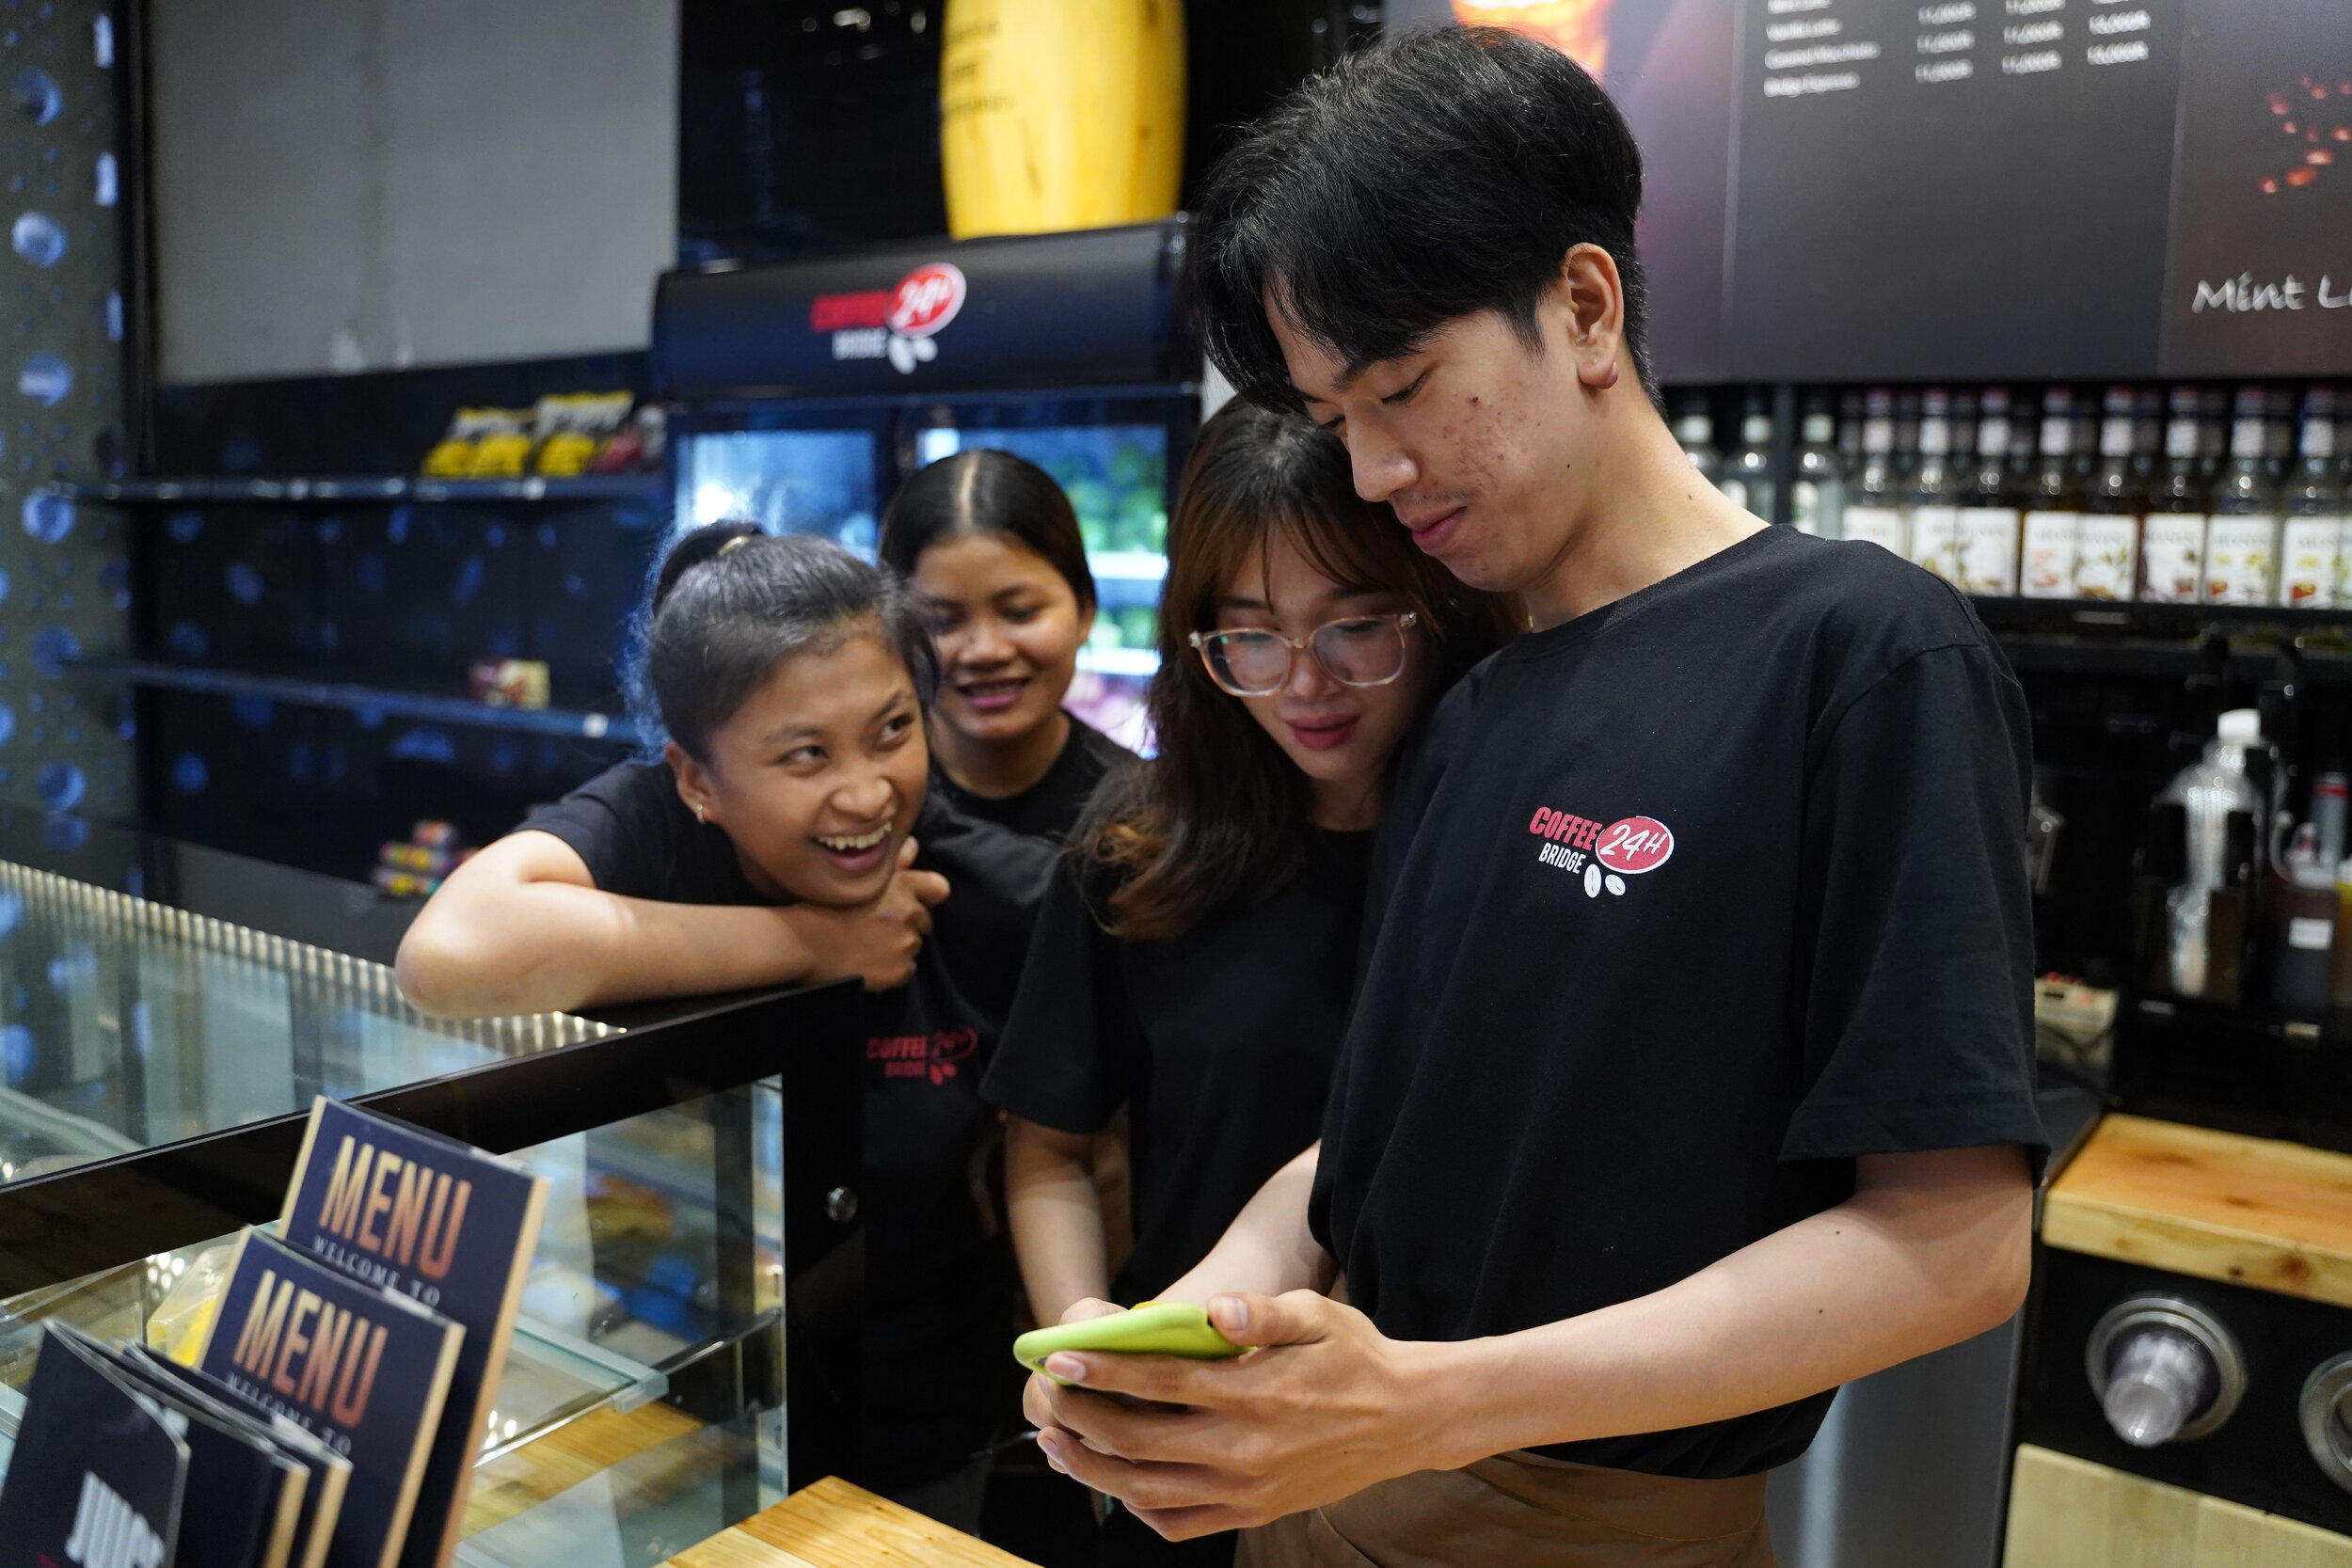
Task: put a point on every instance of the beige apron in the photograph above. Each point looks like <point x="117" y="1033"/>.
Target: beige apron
<point x="1525" y="1509"/>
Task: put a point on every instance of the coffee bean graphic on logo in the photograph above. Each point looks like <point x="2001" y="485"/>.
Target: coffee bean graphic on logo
<point x="1615" y="884"/>
<point x="1592" y="881"/>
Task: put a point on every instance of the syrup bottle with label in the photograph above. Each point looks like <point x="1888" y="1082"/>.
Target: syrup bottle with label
<point x="2312" y="574"/>
<point x="2106" y="558"/>
<point x="1748" y="472"/>
<point x="1874" y="506"/>
<point x="1696" y="430"/>
<point x="2173" y="543"/>
<point x="2242" y="537"/>
<point x="1988" y="523"/>
<point x="1934" y="518"/>
<point x="2054" y="506"/>
<point x="1817" y="492"/>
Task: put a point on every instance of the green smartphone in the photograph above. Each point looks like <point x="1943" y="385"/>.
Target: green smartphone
<point x="1148" y="1328"/>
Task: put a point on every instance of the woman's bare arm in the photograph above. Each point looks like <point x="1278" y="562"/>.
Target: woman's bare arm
<point x="1056" y="1216"/>
<point x="522" y="928"/>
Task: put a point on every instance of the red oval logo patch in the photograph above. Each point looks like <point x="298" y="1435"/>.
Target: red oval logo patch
<point x="927" y="299"/>
<point x="1634" y="844"/>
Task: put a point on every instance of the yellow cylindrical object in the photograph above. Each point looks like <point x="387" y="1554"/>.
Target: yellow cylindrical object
<point x="1061" y="114"/>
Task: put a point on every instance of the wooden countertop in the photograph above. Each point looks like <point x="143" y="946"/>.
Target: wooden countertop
<point x="2275" y="1216"/>
<point x="832" y="1524"/>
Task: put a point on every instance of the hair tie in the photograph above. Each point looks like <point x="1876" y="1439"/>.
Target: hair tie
<point x="740" y="540"/>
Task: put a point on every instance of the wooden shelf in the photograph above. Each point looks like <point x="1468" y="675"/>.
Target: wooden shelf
<point x="2253" y="1211"/>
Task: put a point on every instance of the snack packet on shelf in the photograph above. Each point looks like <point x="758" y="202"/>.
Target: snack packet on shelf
<point x="503" y="451"/>
<point x="453" y="455"/>
<point x="569" y="426"/>
<point x="637" y="445"/>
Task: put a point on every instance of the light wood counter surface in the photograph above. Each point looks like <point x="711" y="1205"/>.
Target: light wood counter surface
<point x="2275" y="1216"/>
<point x="832" y="1524"/>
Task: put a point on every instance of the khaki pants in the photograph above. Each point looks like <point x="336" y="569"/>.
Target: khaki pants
<point x="1523" y="1507"/>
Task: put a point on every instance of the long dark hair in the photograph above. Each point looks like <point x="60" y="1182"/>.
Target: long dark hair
<point x="730" y="603"/>
<point x="1220" y="811"/>
<point x="981" y="490"/>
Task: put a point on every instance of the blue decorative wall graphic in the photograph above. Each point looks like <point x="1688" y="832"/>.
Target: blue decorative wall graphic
<point x="65" y="569"/>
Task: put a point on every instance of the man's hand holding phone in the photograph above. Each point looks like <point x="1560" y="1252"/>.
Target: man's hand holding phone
<point x="1324" y="1407"/>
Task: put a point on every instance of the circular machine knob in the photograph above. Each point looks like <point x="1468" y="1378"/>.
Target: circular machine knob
<point x="2326" y="1410"/>
<point x="2165" y="1370"/>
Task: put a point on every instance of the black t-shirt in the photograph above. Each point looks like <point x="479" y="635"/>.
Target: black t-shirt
<point x="936" y="1280"/>
<point x="1050" y="807"/>
<point x="1684" y="904"/>
<point x="1219" y="1042"/>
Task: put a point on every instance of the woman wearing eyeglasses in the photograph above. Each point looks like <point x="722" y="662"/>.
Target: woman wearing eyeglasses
<point x="1195" y="962"/>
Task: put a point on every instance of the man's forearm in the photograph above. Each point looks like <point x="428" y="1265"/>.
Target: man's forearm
<point x="1894" y="1273"/>
<point x="1269" y="1248"/>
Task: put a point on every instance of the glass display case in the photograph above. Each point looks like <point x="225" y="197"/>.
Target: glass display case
<point x="156" y="1064"/>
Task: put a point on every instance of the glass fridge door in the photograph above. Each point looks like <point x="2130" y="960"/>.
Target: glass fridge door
<point x="822" y="481"/>
<point x="1115" y="459"/>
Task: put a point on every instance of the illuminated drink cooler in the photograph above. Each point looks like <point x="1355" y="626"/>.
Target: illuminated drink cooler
<point x="806" y="392"/>
<point x="158" y="1063"/>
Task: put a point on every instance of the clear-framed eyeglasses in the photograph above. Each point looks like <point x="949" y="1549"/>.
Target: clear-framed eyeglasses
<point x="1360" y="650"/>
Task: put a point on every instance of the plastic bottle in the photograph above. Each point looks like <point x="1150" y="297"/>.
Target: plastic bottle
<point x="2208" y="791"/>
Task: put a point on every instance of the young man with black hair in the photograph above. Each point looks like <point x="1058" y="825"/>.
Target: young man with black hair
<point x="1690" y="1075"/>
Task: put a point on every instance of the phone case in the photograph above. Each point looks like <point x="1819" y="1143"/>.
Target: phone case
<point x="1149" y="1328"/>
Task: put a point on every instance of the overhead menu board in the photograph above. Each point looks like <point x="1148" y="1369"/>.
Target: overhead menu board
<point x="1913" y="189"/>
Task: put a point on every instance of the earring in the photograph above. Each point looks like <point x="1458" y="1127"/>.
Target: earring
<point x="699" y="816"/>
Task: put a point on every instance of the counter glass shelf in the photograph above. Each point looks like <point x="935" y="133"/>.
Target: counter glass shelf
<point x="157" y="1062"/>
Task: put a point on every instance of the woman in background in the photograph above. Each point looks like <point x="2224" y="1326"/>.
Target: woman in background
<point x="992" y="551"/>
<point x="790" y="677"/>
<point x="1193" y="963"/>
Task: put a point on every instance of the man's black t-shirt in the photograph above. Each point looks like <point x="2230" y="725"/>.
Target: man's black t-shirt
<point x="1683" y="905"/>
<point x="1050" y="807"/>
<point x="1219" y="1040"/>
<point x="936" y="1279"/>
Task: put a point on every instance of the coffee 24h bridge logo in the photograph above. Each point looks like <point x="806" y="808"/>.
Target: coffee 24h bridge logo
<point x="1605" y="855"/>
<point x="900" y="325"/>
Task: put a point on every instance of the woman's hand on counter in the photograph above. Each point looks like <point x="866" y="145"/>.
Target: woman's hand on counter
<point x="876" y="943"/>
